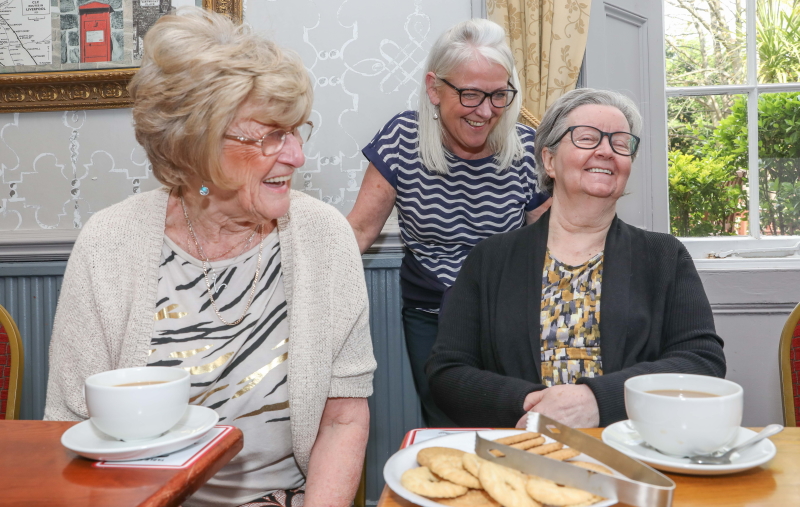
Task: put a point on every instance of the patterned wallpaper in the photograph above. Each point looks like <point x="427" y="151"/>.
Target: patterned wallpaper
<point x="364" y="57"/>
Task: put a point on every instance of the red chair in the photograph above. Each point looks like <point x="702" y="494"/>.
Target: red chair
<point x="789" y="362"/>
<point x="12" y="361"/>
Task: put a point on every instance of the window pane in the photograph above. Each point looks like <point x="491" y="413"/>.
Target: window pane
<point x="705" y="42"/>
<point x="779" y="163"/>
<point x="708" y="165"/>
<point x="778" y="40"/>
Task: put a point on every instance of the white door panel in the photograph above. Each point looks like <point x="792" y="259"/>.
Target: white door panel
<point x="625" y="53"/>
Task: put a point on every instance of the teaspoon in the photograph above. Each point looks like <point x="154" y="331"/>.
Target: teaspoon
<point x="725" y="459"/>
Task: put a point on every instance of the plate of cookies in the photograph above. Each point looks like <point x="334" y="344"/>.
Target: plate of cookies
<point x="446" y="471"/>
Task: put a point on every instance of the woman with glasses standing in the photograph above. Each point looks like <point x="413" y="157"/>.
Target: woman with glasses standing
<point x="458" y="171"/>
<point x="522" y="330"/>
<point x="221" y="271"/>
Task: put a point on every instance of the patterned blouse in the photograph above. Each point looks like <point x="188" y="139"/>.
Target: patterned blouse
<point x="240" y="371"/>
<point x="570" y="320"/>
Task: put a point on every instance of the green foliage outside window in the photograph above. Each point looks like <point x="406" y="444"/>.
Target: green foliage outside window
<point x="708" y="134"/>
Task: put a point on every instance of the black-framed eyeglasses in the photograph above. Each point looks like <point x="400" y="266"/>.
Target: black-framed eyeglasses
<point x="272" y="142"/>
<point x="589" y="138"/>
<point x="470" y="97"/>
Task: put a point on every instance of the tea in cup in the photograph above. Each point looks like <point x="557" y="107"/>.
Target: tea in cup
<point x="684" y="415"/>
<point x="137" y="403"/>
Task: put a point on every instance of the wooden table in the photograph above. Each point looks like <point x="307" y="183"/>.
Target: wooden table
<point x="776" y="483"/>
<point x="35" y="469"/>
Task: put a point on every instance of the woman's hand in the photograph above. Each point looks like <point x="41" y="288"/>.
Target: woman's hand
<point x="337" y="457"/>
<point x="570" y="404"/>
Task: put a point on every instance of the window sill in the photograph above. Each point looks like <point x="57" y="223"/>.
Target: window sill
<point x="701" y="248"/>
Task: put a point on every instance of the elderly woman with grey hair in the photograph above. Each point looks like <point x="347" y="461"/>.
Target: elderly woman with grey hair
<point x="458" y="171"/>
<point x="258" y="291"/>
<point x="522" y="330"/>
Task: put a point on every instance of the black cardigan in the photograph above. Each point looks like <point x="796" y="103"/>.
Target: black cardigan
<point x="654" y="318"/>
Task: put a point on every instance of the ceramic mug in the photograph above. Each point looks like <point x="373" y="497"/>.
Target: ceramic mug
<point x="137" y="403"/>
<point x="684" y="415"/>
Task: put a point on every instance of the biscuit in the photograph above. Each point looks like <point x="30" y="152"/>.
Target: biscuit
<point x="527" y="444"/>
<point x="594" y="467"/>
<point x="550" y="493"/>
<point x="514" y="439"/>
<point x="505" y="485"/>
<point x="422" y="482"/>
<point x="473" y="498"/>
<point x="546" y="448"/>
<point x="424" y="455"/>
<point x="450" y="468"/>
<point x="471" y="463"/>
<point x="563" y="454"/>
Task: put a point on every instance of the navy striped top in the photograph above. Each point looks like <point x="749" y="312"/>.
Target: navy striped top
<point x="442" y="216"/>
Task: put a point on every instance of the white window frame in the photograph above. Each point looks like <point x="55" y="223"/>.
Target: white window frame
<point x="762" y="252"/>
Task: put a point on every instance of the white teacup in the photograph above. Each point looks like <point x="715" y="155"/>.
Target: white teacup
<point x="681" y="425"/>
<point x="137" y="403"/>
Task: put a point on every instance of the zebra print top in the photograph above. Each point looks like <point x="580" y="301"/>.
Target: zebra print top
<point x="442" y="216"/>
<point x="240" y="371"/>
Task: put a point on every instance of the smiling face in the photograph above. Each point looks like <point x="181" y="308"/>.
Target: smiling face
<point x="466" y="129"/>
<point x="261" y="183"/>
<point x="598" y="172"/>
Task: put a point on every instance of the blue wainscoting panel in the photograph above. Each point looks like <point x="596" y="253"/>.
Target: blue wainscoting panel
<point x="29" y="291"/>
<point x="394" y="406"/>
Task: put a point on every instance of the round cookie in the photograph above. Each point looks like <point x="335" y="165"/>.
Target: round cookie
<point x="473" y="498"/>
<point x="505" y="485"/>
<point x="450" y="468"/>
<point x="424" y="455"/>
<point x="472" y="463"/>
<point x="550" y="493"/>
<point x="422" y="482"/>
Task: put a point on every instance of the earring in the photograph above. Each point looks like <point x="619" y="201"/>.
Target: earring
<point x="203" y="189"/>
<point x="435" y="115"/>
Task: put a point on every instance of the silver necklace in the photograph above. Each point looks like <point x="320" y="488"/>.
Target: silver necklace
<point x="205" y="271"/>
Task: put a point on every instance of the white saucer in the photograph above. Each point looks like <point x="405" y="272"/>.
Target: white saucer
<point x="87" y="441"/>
<point x="405" y="459"/>
<point x="624" y="438"/>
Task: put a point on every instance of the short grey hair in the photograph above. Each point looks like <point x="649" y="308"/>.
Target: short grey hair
<point x="554" y="123"/>
<point x="467" y="41"/>
<point x="198" y="69"/>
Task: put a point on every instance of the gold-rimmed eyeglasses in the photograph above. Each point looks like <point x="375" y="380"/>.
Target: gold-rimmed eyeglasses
<point x="272" y="142"/>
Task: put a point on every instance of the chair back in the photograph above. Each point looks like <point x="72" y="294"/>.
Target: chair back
<point x="789" y="364"/>
<point x="528" y="118"/>
<point x="12" y="362"/>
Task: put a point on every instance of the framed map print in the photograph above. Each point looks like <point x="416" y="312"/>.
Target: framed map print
<point x="78" y="54"/>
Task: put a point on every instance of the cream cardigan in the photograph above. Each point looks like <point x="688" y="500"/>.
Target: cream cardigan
<point x="104" y="318"/>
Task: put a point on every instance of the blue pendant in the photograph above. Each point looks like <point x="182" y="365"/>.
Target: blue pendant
<point x="204" y="190"/>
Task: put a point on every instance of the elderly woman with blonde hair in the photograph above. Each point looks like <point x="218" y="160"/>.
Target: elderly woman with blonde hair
<point x="458" y="170"/>
<point x="221" y="272"/>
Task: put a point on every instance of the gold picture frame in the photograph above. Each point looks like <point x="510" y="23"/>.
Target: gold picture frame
<point x="82" y="89"/>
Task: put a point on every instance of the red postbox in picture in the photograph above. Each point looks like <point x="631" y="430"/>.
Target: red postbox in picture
<point x="95" y="32"/>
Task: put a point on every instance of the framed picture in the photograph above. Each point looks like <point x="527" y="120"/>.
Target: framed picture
<point x="78" y="54"/>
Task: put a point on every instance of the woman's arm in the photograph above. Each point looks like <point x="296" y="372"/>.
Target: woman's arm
<point x="469" y="391"/>
<point x="373" y="206"/>
<point x="334" y="469"/>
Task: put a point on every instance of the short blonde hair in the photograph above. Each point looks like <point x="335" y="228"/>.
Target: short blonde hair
<point x="198" y="68"/>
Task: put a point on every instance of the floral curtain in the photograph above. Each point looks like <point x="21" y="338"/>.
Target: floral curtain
<point x="548" y="39"/>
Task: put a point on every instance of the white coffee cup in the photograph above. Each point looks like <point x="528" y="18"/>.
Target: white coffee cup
<point x="680" y="425"/>
<point x="141" y="411"/>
